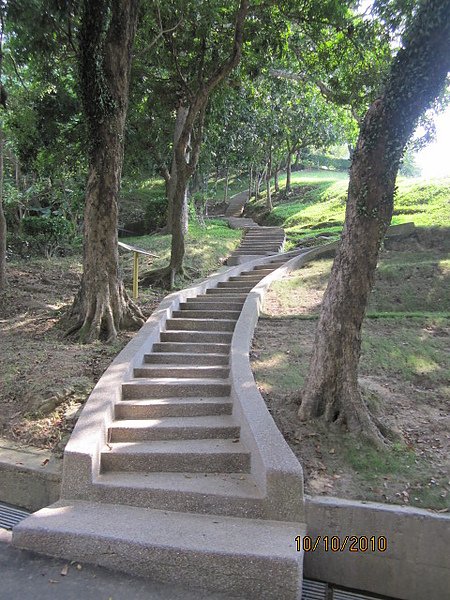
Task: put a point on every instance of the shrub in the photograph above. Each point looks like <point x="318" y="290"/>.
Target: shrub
<point x="47" y="235"/>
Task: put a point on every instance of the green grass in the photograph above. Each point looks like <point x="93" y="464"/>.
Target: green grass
<point x="317" y="205"/>
<point x="206" y="248"/>
<point x="371" y="463"/>
<point x="280" y="371"/>
<point x="417" y="351"/>
<point x="414" y="284"/>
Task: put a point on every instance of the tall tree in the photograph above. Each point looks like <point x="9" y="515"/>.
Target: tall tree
<point x="200" y="54"/>
<point x="102" y="306"/>
<point x="417" y="76"/>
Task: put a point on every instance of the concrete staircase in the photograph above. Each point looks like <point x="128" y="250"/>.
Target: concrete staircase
<point x="236" y="205"/>
<point x="173" y="489"/>
<point x="258" y="241"/>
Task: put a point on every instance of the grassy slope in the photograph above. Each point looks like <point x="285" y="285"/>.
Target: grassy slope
<point x="405" y="342"/>
<point x="318" y="204"/>
<point x="206" y="247"/>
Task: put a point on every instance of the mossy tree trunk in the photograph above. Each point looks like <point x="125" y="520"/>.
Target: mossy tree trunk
<point x="102" y="306"/>
<point x="2" y="220"/>
<point x="416" y="78"/>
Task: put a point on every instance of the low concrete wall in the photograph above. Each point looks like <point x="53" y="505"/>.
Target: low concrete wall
<point x="415" y="566"/>
<point x="29" y="477"/>
<point x="276" y="468"/>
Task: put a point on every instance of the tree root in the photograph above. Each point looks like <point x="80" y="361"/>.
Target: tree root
<point x="350" y="414"/>
<point x="102" y="319"/>
<point x="163" y="278"/>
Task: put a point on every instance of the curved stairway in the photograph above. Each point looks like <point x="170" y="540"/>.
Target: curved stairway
<point x="236" y="204"/>
<point x="169" y="485"/>
<point x="257" y="241"/>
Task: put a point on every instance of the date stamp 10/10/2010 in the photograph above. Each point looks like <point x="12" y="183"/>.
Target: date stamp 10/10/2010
<point x="335" y="543"/>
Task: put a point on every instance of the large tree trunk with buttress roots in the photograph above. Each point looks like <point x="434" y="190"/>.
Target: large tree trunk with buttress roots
<point x="417" y="76"/>
<point x="102" y="307"/>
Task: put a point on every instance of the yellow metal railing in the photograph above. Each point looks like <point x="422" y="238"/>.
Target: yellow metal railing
<point x="136" y="251"/>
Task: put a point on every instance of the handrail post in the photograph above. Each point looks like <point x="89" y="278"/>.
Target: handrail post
<point x="136" y="252"/>
<point x="135" y="275"/>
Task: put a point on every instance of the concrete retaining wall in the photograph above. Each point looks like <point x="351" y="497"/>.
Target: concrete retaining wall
<point x="29" y="477"/>
<point x="415" y="566"/>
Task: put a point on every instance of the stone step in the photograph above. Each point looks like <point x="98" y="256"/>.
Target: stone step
<point x="182" y="371"/>
<point x="263" y="235"/>
<point x="186" y="358"/>
<point x="262" y="239"/>
<point x="248" y="558"/>
<point x="270" y="241"/>
<point x="278" y="263"/>
<point x="237" y="260"/>
<point x="262" y="272"/>
<point x="221" y="337"/>
<point x="173" y="428"/>
<point x="160" y="388"/>
<point x="245" y="285"/>
<point x="200" y="324"/>
<point x="211" y="304"/>
<point x="232" y="494"/>
<point x="274" y="238"/>
<point x="247" y="277"/>
<point x="258" y="248"/>
<point x="207" y="314"/>
<point x="224" y="291"/>
<point x="255" y="251"/>
<point x="264" y="231"/>
<point x="172" y="407"/>
<point x="224" y="296"/>
<point x="193" y="348"/>
<point x="177" y="456"/>
<point x="265" y="268"/>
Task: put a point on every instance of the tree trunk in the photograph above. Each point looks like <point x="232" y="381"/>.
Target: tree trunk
<point x="288" y="188"/>
<point x="276" y="178"/>
<point x="227" y="180"/>
<point x="179" y="225"/>
<point x="250" y="183"/>
<point x="257" y="184"/>
<point x="417" y="76"/>
<point x="182" y="112"/>
<point x="269" y="204"/>
<point x="2" y="220"/>
<point x="102" y="307"/>
<point x="268" y="177"/>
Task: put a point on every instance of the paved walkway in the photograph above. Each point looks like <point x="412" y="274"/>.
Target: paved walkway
<point x="28" y="576"/>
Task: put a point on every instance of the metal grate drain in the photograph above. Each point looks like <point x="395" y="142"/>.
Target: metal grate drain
<point x="314" y="590"/>
<point x="345" y="595"/>
<point x="10" y="516"/>
<point x="319" y="590"/>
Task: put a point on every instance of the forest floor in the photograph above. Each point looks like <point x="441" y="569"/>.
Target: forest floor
<point x="404" y="372"/>
<point x="46" y="378"/>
